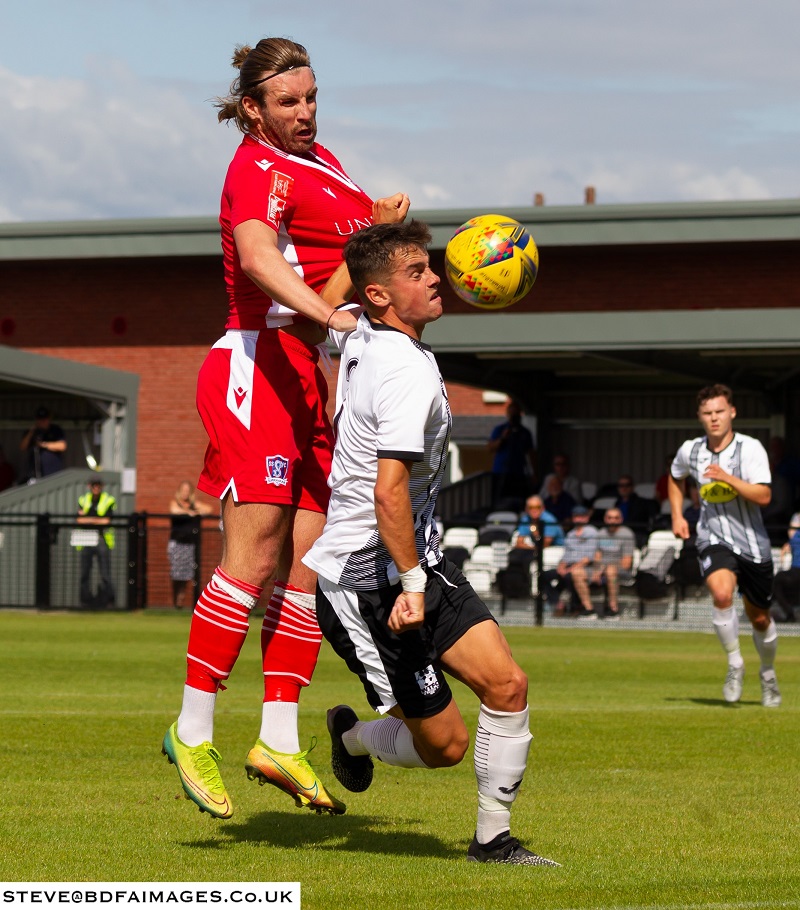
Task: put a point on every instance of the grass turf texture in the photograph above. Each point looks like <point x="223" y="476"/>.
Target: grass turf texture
<point x="641" y="781"/>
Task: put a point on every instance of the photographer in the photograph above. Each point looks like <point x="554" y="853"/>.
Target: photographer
<point x="514" y="465"/>
<point x="45" y="444"/>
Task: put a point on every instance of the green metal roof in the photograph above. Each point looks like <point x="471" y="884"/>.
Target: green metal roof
<point x="552" y="226"/>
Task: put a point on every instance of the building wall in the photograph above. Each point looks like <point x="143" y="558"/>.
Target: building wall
<point x="157" y="318"/>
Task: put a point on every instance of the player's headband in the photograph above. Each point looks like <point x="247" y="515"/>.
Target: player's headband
<point x="286" y="69"/>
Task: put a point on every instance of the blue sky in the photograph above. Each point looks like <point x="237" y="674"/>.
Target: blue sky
<point x="107" y="109"/>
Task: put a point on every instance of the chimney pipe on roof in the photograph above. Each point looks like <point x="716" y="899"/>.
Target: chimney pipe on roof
<point x="589" y="195"/>
<point x="538" y="199"/>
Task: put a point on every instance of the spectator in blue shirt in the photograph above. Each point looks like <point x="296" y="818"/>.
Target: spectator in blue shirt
<point x="538" y="524"/>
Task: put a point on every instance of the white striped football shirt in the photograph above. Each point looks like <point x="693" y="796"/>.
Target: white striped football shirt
<point x="395" y="406"/>
<point x="736" y="524"/>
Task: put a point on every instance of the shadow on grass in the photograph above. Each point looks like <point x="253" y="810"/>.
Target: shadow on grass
<point x="358" y="833"/>
<point x="718" y="702"/>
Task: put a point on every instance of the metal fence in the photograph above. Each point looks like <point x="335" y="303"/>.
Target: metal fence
<point x="42" y="556"/>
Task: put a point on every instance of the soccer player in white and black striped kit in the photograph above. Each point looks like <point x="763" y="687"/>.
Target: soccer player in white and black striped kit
<point x="733" y="476"/>
<point x="390" y="604"/>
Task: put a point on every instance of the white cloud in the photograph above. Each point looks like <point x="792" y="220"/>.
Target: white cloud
<point x="69" y="150"/>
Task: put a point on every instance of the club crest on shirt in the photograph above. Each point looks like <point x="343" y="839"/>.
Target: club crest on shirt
<point x="277" y="470"/>
<point x="427" y="681"/>
<point x="279" y="192"/>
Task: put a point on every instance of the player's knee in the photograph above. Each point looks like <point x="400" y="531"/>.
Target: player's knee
<point x="508" y="692"/>
<point x="722" y="599"/>
<point x="760" y="620"/>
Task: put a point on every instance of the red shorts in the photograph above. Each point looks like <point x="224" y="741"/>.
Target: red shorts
<point x="262" y="401"/>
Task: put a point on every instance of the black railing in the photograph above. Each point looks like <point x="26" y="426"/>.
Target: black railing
<point x="42" y="558"/>
<point x="466" y="501"/>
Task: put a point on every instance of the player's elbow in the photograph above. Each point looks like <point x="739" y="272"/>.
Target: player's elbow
<point x="388" y="498"/>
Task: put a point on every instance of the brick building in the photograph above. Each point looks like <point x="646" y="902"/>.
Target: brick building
<point x="634" y="308"/>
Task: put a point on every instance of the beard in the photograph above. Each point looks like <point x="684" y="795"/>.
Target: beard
<point x="285" y="137"/>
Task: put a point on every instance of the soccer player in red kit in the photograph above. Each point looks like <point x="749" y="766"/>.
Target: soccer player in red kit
<point x="287" y="208"/>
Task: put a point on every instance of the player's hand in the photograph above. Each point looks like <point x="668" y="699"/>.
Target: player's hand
<point x="680" y="528"/>
<point x="391" y="209"/>
<point x="343" y="321"/>
<point x="715" y="472"/>
<point x="407" y="613"/>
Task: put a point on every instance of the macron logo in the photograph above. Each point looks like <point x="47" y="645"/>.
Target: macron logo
<point x="329" y="191"/>
<point x="264" y="164"/>
<point x="239" y="394"/>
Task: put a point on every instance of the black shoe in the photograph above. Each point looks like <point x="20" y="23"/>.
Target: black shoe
<point x="505" y="849"/>
<point x="587" y="614"/>
<point x="354" y="772"/>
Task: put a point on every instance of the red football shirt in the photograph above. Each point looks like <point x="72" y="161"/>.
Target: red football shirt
<point x="312" y="205"/>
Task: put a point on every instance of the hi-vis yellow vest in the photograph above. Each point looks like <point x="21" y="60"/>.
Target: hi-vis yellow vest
<point x="106" y="502"/>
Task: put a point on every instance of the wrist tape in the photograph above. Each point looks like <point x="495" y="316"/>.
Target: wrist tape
<point x="414" y="580"/>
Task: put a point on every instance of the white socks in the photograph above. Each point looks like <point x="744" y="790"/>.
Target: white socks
<point x="196" y="720"/>
<point x="766" y="643"/>
<point x="279" y="726"/>
<point x="502" y="743"/>
<point x="388" y="739"/>
<point x="501" y="754"/>
<point x="726" y="625"/>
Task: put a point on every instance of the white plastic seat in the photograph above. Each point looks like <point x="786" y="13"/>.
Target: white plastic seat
<point x="482" y="556"/>
<point x="780" y="560"/>
<point x="603" y="503"/>
<point x="551" y="557"/>
<point x="500" y="551"/>
<point x="645" y="490"/>
<point x="460" y="537"/>
<point x="588" y="490"/>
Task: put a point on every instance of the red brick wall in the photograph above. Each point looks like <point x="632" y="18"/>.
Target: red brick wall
<point x="664" y="277"/>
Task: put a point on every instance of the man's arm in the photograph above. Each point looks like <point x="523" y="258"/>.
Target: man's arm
<point x="759" y="493"/>
<point x="497" y="439"/>
<point x="339" y="288"/>
<point x="396" y="526"/>
<point x="264" y="265"/>
<point x="86" y="519"/>
<point x="55" y="445"/>
<point x="676" y="491"/>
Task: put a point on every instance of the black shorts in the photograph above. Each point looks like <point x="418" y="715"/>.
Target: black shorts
<point x="400" y="669"/>
<point x="755" y="579"/>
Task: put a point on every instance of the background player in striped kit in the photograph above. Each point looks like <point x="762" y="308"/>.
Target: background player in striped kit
<point x="287" y="207"/>
<point x="733" y="476"/>
<point x="392" y="607"/>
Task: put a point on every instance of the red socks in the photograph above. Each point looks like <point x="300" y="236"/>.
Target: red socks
<point x="290" y="642"/>
<point x="219" y="628"/>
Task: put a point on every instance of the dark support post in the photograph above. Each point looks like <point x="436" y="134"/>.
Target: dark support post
<point x="137" y="561"/>
<point x="539" y="601"/>
<point x="43" y="560"/>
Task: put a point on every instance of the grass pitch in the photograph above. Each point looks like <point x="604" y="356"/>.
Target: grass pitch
<point x="647" y="788"/>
